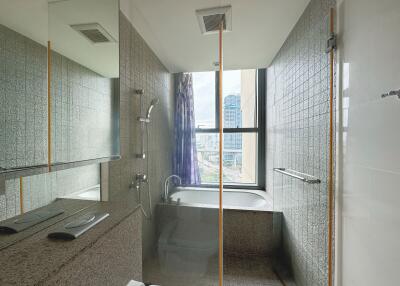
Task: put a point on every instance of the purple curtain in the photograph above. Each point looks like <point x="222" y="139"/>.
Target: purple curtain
<point x="185" y="158"/>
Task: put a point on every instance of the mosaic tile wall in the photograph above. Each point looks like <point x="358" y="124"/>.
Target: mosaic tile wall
<point x="82" y="125"/>
<point x="297" y="132"/>
<point x="40" y="190"/>
<point x="23" y="97"/>
<point x="141" y="69"/>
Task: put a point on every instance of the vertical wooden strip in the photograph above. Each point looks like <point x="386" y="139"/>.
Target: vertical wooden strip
<point x="49" y="105"/>
<point x="330" y="175"/>
<point x="21" y="195"/>
<point x="221" y="183"/>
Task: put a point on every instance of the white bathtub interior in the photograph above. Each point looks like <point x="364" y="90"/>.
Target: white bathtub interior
<point x="232" y="198"/>
<point x="92" y="194"/>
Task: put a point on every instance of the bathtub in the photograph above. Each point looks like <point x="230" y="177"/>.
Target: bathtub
<point x="232" y="198"/>
<point x="187" y="227"/>
<point x="91" y="194"/>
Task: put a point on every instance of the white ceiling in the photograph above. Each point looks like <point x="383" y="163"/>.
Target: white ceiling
<point x="102" y="58"/>
<point x="170" y="27"/>
<point x="26" y="17"/>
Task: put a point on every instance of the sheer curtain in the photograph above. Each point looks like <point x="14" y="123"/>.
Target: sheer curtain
<point x="185" y="156"/>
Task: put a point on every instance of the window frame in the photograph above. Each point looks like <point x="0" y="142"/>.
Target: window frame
<point x="260" y="86"/>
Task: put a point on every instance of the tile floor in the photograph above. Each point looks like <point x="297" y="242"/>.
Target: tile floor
<point x="238" y="271"/>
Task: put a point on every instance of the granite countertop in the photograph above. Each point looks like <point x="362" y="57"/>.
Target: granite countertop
<point x="36" y="258"/>
<point x="70" y="207"/>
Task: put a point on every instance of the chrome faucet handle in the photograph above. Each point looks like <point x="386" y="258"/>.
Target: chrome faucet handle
<point x="142" y="178"/>
<point x="166" y="185"/>
<point x="139" y="178"/>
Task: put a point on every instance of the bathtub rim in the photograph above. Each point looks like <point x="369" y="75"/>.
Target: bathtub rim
<point x="264" y="194"/>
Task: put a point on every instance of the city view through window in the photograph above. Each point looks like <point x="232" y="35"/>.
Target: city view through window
<point x="240" y="126"/>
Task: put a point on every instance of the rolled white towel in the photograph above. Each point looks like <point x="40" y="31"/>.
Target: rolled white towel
<point x="135" y="283"/>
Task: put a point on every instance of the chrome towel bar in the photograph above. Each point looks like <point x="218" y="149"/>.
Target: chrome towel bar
<point x="297" y="175"/>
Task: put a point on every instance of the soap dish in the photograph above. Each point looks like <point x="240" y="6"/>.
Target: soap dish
<point x="78" y="226"/>
<point x="28" y="220"/>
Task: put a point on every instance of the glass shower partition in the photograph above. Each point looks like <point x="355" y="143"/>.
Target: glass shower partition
<point x="188" y="219"/>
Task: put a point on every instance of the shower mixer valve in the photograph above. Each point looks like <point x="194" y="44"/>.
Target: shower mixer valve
<point x="140" y="178"/>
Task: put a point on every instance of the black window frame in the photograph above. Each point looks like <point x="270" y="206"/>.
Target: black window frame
<point x="260" y="86"/>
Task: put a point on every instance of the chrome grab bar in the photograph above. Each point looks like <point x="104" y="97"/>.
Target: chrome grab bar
<point x="300" y="176"/>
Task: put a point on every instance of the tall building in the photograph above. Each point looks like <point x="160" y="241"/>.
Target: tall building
<point x="249" y="118"/>
<point x="232" y="119"/>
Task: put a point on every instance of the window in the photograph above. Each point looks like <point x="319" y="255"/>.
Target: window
<point x="244" y="123"/>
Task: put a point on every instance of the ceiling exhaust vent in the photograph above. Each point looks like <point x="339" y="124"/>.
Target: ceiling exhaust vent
<point x="94" y="32"/>
<point x="210" y="19"/>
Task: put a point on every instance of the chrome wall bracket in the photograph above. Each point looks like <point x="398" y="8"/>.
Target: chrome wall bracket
<point x="140" y="156"/>
<point x="331" y="44"/>
<point x="139" y="91"/>
<point x="392" y="93"/>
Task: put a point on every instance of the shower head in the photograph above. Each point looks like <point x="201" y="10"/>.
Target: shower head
<point x="152" y="104"/>
<point x="146" y="119"/>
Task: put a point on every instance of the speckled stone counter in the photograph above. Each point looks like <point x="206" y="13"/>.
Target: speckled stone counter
<point x="70" y="208"/>
<point x="108" y="254"/>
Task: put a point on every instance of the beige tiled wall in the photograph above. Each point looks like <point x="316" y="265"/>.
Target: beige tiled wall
<point x="141" y="69"/>
<point x="82" y="106"/>
<point x="23" y="97"/>
<point x="81" y="125"/>
<point x="297" y="132"/>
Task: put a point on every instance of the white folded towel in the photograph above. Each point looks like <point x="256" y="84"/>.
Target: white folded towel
<point x="135" y="283"/>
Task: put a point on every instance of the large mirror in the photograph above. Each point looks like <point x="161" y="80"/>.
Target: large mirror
<point x="23" y="84"/>
<point x="84" y="36"/>
<point x="82" y="128"/>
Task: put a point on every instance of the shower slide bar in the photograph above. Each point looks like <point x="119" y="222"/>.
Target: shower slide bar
<point x="297" y="175"/>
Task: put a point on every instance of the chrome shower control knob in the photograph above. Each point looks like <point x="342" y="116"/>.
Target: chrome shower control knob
<point x="141" y="178"/>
